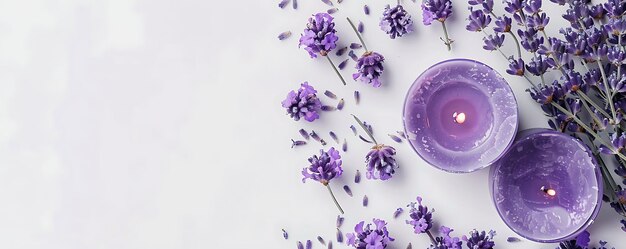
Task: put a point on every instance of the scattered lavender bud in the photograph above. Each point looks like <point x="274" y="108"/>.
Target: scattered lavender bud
<point x="365" y="140"/>
<point x="283" y="3"/>
<point x="321" y="240"/>
<point x="317" y="138"/>
<point x="353" y="129"/>
<point x="304" y="134"/>
<point x="330" y="94"/>
<point x="398" y="212"/>
<point x="343" y="64"/>
<point x="339" y="221"/>
<point x="330" y="244"/>
<point x="401" y="134"/>
<point x="333" y="136"/>
<point x="365" y="201"/>
<point x="366" y="9"/>
<point x="339" y="236"/>
<point x="309" y="244"/>
<point x="341" y="103"/>
<point x="512" y="239"/>
<point x="328" y="108"/>
<point x="360" y="27"/>
<point x="369" y="127"/>
<point x="357" y="97"/>
<point x="339" y="1"/>
<point x="285" y="235"/>
<point x="357" y="176"/>
<point x="347" y="189"/>
<point x="284" y="35"/>
<point x="328" y="2"/>
<point x="332" y="11"/>
<point x="341" y="51"/>
<point x="355" y="46"/>
<point x="409" y="246"/>
<point x="295" y="143"/>
<point x="295" y="4"/>
<point x="395" y="138"/>
<point x="300" y="246"/>
<point x="353" y="56"/>
<point x="344" y="147"/>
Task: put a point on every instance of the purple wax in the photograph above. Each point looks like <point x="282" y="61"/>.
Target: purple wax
<point x="547" y="187"/>
<point x="460" y="115"/>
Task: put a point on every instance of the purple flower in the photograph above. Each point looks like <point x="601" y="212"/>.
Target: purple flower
<point x="538" y="65"/>
<point x="396" y="22"/>
<point x="513" y="6"/>
<point x="503" y="24"/>
<point x="583" y="239"/>
<point x="618" y="143"/>
<point x="380" y="163"/>
<point x="516" y="67"/>
<point x="446" y="241"/>
<point x="477" y="20"/>
<point x="480" y="240"/>
<point x="544" y="96"/>
<point x="421" y="217"/>
<point x="616" y="55"/>
<point x="319" y="36"/>
<point x="324" y="167"/>
<point x="615" y="8"/>
<point x="303" y="103"/>
<point x="538" y="22"/>
<point x="438" y="10"/>
<point x="367" y="238"/>
<point x="615" y="27"/>
<point x="532" y="6"/>
<point x="493" y="42"/>
<point x="486" y="4"/>
<point x="370" y="68"/>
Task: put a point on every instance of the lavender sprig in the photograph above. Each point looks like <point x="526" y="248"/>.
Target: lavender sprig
<point x="439" y="10"/>
<point x="323" y="169"/>
<point x="319" y="38"/>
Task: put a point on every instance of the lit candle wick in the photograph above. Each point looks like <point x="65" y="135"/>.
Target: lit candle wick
<point x="548" y="191"/>
<point x="459" y="118"/>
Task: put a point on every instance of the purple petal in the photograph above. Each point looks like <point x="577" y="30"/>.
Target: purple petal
<point x="284" y="35"/>
<point x="357" y="176"/>
<point x="328" y="108"/>
<point x="285" y="235"/>
<point x="283" y="3"/>
<point x="304" y="134"/>
<point x="353" y="129"/>
<point x="339" y="1"/>
<point x="330" y="94"/>
<point x="512" y="239"/>
<point x="297" y="143"/>
<point x="353" y="56"/>
<point x="341" y="51"/>
<point x="409" y="246"/>
<point x="401" y="134"/>
<point x="332" y="11"/>
<point x="365" y="140"/>
<point x="365" y="201"/>
<point x="344" y="147"/>
<point x="328" y="2"/>
<point x="355" y="46"/>
<point x="605" y="150"/>
<point x="357" y="97"/>
<point x="366" y="9"/>
<point x="347" y="189"/>
<point x="339" y="221"/>
<point x="333" y="136"/>
<point x="343" y="64"/>
<point x="321" y="240"/>
<point x="398" y="212"/>
<point x="339" y="236"/>
<point x="299" y="244"/>
<point x="330" y="244"/>
<point x="341" y="103"/>
<point x="395" y="138"/>
<point x="295" y="4"/>
<point x="360" y="27"/>
<point x="309" y="244"/>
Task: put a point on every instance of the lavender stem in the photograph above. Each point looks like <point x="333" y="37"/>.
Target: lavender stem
<point x="336" y="71"/>
<point x="365" y="128"/>
<point x="448" y="42"/>
<point x="519" y="51"/>
<point x="609" y="97"/>
<point x="432" y="239"/>
<point x="357" y="34"/>
<point x="334" y="199"/>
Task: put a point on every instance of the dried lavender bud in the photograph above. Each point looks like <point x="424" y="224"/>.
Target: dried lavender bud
<point x="398" y="212"/>
<point x="339" y="236"/>
<point x="284" y="35"/>
<point x="328" y="2"/>
<point x="285" y="235"/>
<point x="353" y="56"/>
<point x="409" y="246"/>
<point x="341" y="102"/>
<point x="344" y="147"/>
<point x="341" y="51"/>
<point x="332" y="11"/>
<point x="365" y="201"/>
<point x="353" y="129"/>
<point x="343" y="64"/>
<point x="299" y="244"/>
<point x="347" y="189"/>
<point x="339" y="1"/>
<point x="366" y="9"/>
<point x="328" y="108"/>
<point x="360" y="27"/>
<point x="321" y="240"/>
<point x="295" y="4"/>
<point x="317" y="138"/>
<point x="365" y="140"/>
<point x="512" y="239"/>
<point x="330" y="94"/>
<point x="339" y="221"/>
<point x="309" y="244"/>
<point x="401" y="134"/>
<point x="357" y="176"/>
<point x="395" y="138"/>
<point x="283" y="3"/>
<point x="304" y="134"/>
<point x="333" y="136"/>
<point x="355" y="46"/>
<point x="330" y="243"/>
<point x="297" y="143"/>
<point x="357" y="97"/>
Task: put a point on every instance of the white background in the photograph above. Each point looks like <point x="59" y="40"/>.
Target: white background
<point x="157" y="124"/>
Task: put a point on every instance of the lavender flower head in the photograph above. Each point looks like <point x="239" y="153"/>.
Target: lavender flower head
<point x="319" y="36"/>
<point x="421" y="217"/>
<point x="370" y="68"/>
<point x="480" y="240"/>
<point x="446" y="241"/>
<point x="324" y="167"/>
<point x="396" y="22"/>
<point x="380" y="163"/>
<point x="368" y="238"/>
<point x="438" y="10"/>
<point x="303" y="103"/>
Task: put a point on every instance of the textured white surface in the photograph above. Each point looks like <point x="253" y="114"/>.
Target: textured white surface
<point x="157" y="124"/>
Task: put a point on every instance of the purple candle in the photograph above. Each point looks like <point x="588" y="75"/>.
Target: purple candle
<point x="460" y="115"/>
<point x="547" y="188"/>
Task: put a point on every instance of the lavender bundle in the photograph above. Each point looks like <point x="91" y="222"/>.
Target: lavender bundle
<point x="586" y="100"/>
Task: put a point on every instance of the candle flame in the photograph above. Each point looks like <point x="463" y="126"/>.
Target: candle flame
<point x="459" y="118"/>
<point x="548" y="191"/>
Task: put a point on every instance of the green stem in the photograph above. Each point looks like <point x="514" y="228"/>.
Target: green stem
<point x="586" y="98"/>
<point x="448" y="42"/>
<point x="608" y="90"/>
<point x="357" y="33"/>
<point x="519" y="50"/>
<point x="335" y="68"/>
<point x="365" y="128"/>
<point x="334" y="199"/>
<point x="432" y="238"/>
<point x="593" y="115"/>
